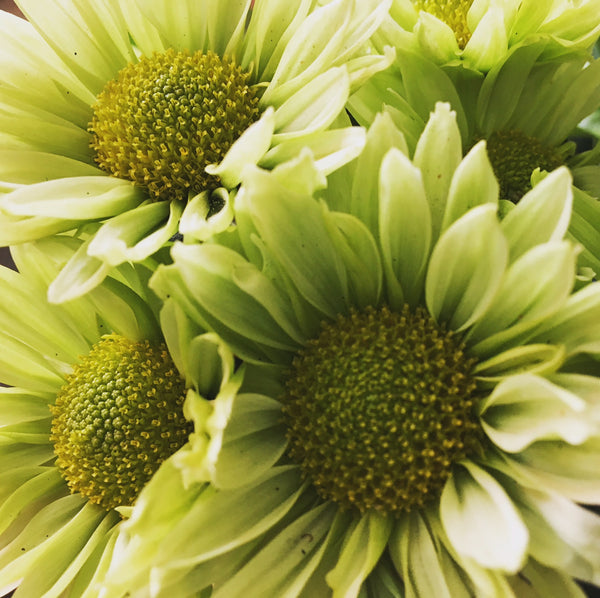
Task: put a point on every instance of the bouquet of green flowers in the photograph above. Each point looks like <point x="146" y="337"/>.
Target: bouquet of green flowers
<point x="306" y="301"/>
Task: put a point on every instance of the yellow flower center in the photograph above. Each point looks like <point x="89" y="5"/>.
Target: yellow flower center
<point x="379" y="407"/>
<point x="161" y="121"/>
<point x="453" y="13"/>
<point x="118" y="416"/>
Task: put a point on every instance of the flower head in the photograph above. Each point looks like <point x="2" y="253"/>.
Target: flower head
<point x="415" y="408"/>
<point x="479" y="33"/>
<point x="137" y="120"/>
<point x="526" y="108"/>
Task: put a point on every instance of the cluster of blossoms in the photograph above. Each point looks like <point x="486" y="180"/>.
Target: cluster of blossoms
<point x="306" y="301"/>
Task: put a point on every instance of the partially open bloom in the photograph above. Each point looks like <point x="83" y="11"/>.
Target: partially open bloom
<point x="418" y="413"/>
<point x="525" y="108"/>
<point x="138" y="117"/>
<point x="479" y="33"/>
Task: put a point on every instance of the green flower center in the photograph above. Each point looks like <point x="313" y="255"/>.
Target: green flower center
<point x="161" y="121"/>
<point x="514" y="156"/>
<point x="454" y="14"/>
<point x="379" y="407"/>
<point x="118" y="416"/>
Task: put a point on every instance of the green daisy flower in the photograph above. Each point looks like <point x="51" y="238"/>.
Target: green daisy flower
<point x="525" y="108"/>
<point x="418" y="413"/>
<point x="95" y="404"/>
<point x="478" y="34"/>
<point x="141" y="115"/>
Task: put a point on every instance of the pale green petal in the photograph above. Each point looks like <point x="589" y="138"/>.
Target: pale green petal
<point x="227" y="25"/>
<point x="358" y="249"/>
<point x="577" y="324"/>
<point x="473" y="184"/>
<point x="182" y="26"/>
<point x="542" y="215"/>
<point x="215" y="523"/>
<point x="16" y="167"/>
<point x="295" y="231"/>
<point x="81" y="274"/>
<point x="524" y="409"/>
<point x="536" y="581"/>
<point x="438" y="154"/>
<point x="425" y="566"/>
<point x="331" y="149"/>
<point x="145" y="36"/>
<point x="564" y="535"/>
<point x="437" y="39"/>
<point x="535" y="286"/>
<point x="253" y="441"/>
<point x="300" y="174"/>
<point x="489" y="42"/>
<point x="18" y="406"/>
<point x="275" y="570"/>
<point x="17" y="229"/>
<point x="466" y="268"/>
<point x="404" y="228"/>
<point x="198" y="223"/>
<point x="91" y="38"/>
<point x="251" y="146"/>
<point x="82" y="198"/>
<point x="570" y="470"/>
<point x="360" y="553"/>
<point x="365" y="172"/>
<point x="320" y="102"/>
<point x="235" y="292"/>
<point x="136" y="234"/>
<point x="481" y="522"/>
<point x="540" y="359"/>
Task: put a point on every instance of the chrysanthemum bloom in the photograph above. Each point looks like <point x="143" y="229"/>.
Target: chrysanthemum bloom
<point x="525" y="108"/>
<point x="419" y="411"/>
<point x="141" y="115"/>
<point x="95" y="404"/>
<point x="479" y="33"/>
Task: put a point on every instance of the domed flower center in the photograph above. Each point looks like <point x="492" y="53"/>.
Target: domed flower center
<point x="161" y="121"/>
<point x="514" y="156"/>
<point x="453" y="13"/>
<point x="118" y="416"/>
<point x="379" y="407"/>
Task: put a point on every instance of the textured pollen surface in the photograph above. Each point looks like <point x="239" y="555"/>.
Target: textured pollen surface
<point x="453" y="13"/>
<point x="118" y="416"/>
<point x="514" y="156"/>
<point x="379" y="407"/>
<point x="162" y="120"/>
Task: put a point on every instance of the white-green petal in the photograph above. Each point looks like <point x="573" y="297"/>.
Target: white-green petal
<point x="424" y="565"/>
<point x="295" y="231"/>
<point x="537" y="581"/>
<point x="253" y="441"/>
<point x="577" y="324"/>
<point x="524" y="409"/>
<point x="466" y="268"/>
<point x="82" y="198"/>
<point x="539" y="359"/>
<point x="16" y="167"/>
<point x="17" y="229"/>
<point x="248" y="149"/>
<point x="534" y="287"/>
<point x="404" y="228"/>
<point x="438" y="154"/>
<point x="81" y="274"/>
<point x="489" y="42"/>
<point x="481" y="521"/>
<point x="196" y="220"/>
<point x="563" y="535"/>
<point x="223" y="524"/>
<point x="436" y="38"/>
<point x="361" y="551"/>
<point x="473" y="184"/>
<point x="320" y="102"/>
<point x="542" y="215"/>
<point x="91" y="38"/>
<point x="136" y="234"/>
<point x="282" y="566"/>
